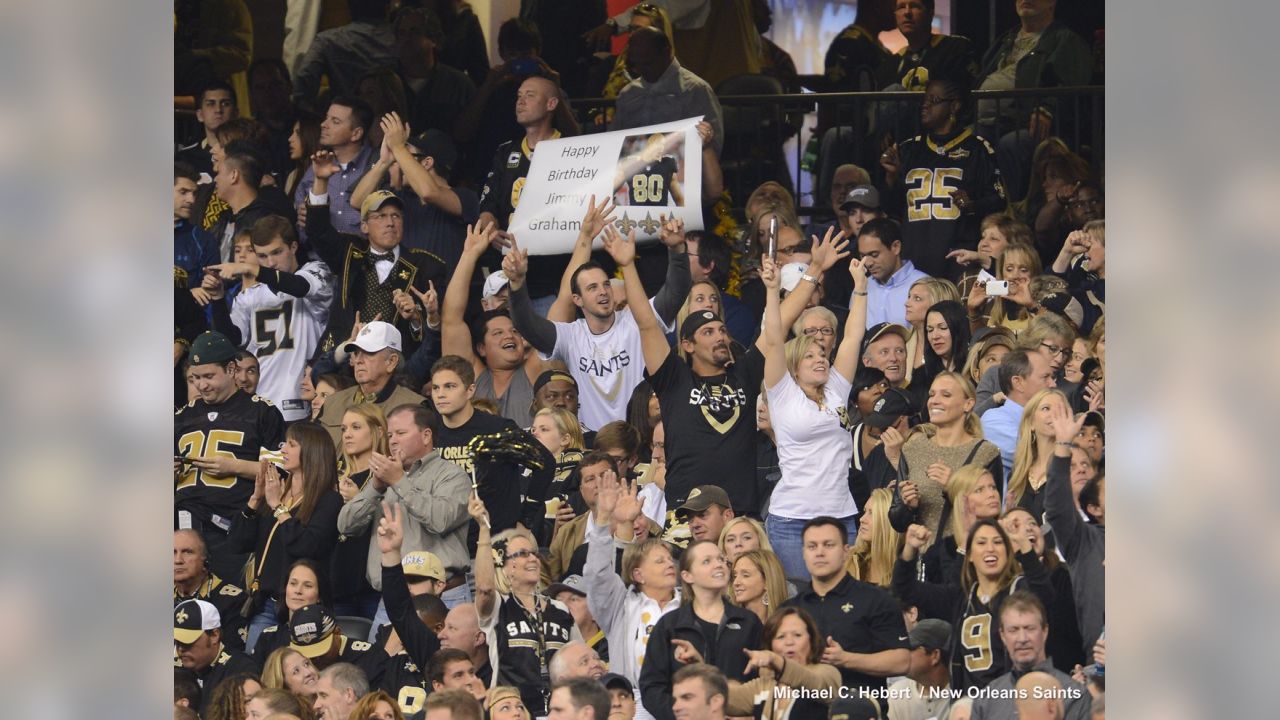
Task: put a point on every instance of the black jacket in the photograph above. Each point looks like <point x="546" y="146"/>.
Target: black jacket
<point x="739" y="629"/>
<point x="346" y="255"/>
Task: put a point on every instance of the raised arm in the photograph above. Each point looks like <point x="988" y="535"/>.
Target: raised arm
<point x="429" y="190"/>
<point x="772" y="339"/>
<point x="652" y="339"/>
<point x="593" y="222"/>
<point x="372" y="179"/>
<point x="855" y="326"/>
<point x="679" y="281"/>
<point x="712" y="174"/>
<point x="486" y="575"/>
<point x="419" y="641"/>
<point x="826" y="252"/>
<point x="539" y="331"/>
<point x="455" y="336"/>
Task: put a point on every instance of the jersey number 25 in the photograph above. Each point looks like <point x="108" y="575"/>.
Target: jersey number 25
<point x="929" y="193"/>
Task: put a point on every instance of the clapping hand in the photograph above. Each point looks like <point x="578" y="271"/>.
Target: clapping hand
<point x="273" y="488"/>
<point x="325" y="164"/>
<point x="394" y="131"/>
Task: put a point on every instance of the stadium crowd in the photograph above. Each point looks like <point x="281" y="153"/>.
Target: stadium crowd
<point x="840" y="462"/>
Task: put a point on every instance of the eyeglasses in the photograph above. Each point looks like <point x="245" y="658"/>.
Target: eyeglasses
<point x="1086" y="202"/>
<point x="934" y="100"/>
<point x="819" y="331"/>
<point x="793" y="250"/>
<point x="1055" y="350"/>
<point x="522" y="554"/>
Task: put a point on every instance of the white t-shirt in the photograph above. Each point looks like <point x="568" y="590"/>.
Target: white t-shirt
<point x="607" y="366"/>
<point x="814" y="450"/>
<point x="282" y="331"/>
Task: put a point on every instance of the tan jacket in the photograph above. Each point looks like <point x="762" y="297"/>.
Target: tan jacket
<point x="338" y="404"/>
<point x="565" y="541"/>
<point x="744" y="697"/>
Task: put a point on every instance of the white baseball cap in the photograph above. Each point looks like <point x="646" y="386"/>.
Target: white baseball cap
<point x="494" y="284"/>
<point x="374" y="337"/>
<point x="791" y="273"/>
<point x="192" y="618"/>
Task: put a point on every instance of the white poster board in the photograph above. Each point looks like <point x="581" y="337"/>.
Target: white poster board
<point x="649" y="171"/>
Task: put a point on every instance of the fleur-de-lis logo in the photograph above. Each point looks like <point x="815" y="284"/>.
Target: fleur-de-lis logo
<point x="649" y="225"/>
<point x="181" y="616"/>
<point x="404" y="275"/>
<point x="847" y="607"/>
<point x="625" y="225"/>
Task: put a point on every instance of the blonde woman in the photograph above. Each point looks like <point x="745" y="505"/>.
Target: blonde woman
<point x="742" y="534"/>
<point x="1018" y="264"/>
<point x="288" y="669"/>
<point x="972" y="496"/>
<point x="999" y="231"/>
<point x="933" y="451"/>
<point x="922" y="295"/>
<point x="704" y="295"/>
<point x="364" y="432"/>
<point x="561" y="434"/>
<point x="524" y="628"/>
<point x="757" y="583"/>
<point x="1033" y="451"/>
<point x="873" y="553"/>
<point x="503" y="703"/>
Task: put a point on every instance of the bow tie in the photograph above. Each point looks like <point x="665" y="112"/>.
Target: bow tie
<point x="382" y="257"/>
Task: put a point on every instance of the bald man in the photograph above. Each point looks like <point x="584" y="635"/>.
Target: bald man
<point x="1039" y="697"/>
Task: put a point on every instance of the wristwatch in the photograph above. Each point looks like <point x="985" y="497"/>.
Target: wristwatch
<point x="810" y="278"/>
<point x="281" y="509"/>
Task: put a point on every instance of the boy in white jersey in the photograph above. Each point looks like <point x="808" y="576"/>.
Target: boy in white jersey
<point x="281" y="318"/>
<point x="602" y="348"/>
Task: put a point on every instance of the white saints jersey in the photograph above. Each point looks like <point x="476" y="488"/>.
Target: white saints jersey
<point x="607" y="366"/>
<point x="283" y="331"/>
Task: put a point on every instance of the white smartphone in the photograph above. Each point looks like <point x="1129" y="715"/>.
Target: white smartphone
<point x="997" y="288"/>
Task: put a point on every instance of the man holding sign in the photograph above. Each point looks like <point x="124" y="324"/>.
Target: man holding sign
<point x="602" y="348"/>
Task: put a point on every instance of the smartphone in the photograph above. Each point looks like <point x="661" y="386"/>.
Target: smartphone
<point x="182" y="459"/>
<point x="997" y="288"/>
<point x="525" y="66"/>
<point x="773" y="238"/>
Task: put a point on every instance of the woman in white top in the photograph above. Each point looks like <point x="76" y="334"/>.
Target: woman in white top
<point x="807" y="397"/>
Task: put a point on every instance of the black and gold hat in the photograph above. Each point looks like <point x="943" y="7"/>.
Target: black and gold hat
<point x="311" y="630"/>
<point x="192" y="618"/>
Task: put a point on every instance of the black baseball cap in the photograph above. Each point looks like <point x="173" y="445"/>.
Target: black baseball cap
<point x="573" y="583"/>
<point x="866" y="377"/>
<point x="695" y="321"/>
<point x="864" y="195"/>
<point x="611" y="681"/>
<point x="437" y="145"/>
<point x="311" y="630"/>
<point x="551" y="376"/>
<point x="193" y="618"/>
<point x="895" y="403"/>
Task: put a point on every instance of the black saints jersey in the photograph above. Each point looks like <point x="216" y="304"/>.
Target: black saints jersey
<point x="522" y="643"/>
<point x="651" y="185"/>
<point x="932" y="169"/>
<point x="912" y="68"/>
<point x="243" y="427"/>
<point x="977" y="654"/>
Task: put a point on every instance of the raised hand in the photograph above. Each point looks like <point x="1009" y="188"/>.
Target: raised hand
<point x="259" y="485"/>
<point x="628" y="506"/>
<point x="430" y="301"/>
<point x="1063" y="424"/>
<point x="273" y="488"/>
<point x="833" y="247"/>
<point x="394" y="132"/>
<point x="706" y="132"/>
<point x="479" y="238"/>
<point x="607" y="496"/>
<point x="621" y="249"/>
<point x="1012" y="525"/>
<point x="516" y="265"/>
<point x="918" y="536"/>
<point x="685" y="652"/>
<point x="597" y="218"/>
<point x="890" y="161"/>
<point x="893" y="441"/>
<point x="477" y="510"/>
<point x="391" y="528"/>
<point x="672" y="231"/>
<point x="325" y="164"/>
<point x="769" y="274"/>
<point x="859" y="274"/>
<point x="385" y="156"/>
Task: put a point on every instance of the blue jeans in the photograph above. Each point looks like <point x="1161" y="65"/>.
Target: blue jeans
<point x="265" y="618"/>
<point x="785" y="534"/>
<point x="450" y="598"/>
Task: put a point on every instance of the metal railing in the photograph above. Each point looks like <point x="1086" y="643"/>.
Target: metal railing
<point x="767" y="136"/>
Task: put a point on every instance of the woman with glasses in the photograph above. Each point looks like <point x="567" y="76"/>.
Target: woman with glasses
<point x="1048" y="334"/>
<point x="808" y="396"/>
<point x="524" y="628"/>
<point x="946" y="178"/>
